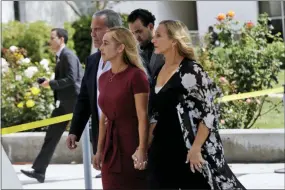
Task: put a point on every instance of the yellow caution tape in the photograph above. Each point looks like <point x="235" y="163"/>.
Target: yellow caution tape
<point x="36" y="124"/>
<point x="251" y="94"/>
<point x="67" y="117"/>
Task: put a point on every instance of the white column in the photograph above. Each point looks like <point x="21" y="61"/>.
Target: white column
<point x="7" y="8"/>
<point x="283" y="18"/>
<point x="9" y="179"/>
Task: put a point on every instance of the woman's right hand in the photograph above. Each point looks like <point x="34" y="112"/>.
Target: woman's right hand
<point x="97" y="161"/>
<point x="140" y="159"/>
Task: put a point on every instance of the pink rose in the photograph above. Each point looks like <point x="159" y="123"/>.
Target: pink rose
<point x="223" y="79"/>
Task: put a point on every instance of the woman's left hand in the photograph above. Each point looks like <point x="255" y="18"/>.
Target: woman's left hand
<point x="140" y="159"/>
<point x="194" y="157"/>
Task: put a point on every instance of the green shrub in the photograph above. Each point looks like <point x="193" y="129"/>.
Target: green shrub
<point x="34" y="37"/>
<point x="71" y="32"/>
<point x="244" y="64"/>
<point x="23" y="100"/>
<point x="82" y="38"/>
<point x="125" y="20"/>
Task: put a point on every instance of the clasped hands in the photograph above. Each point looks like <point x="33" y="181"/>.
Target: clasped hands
<point x="140" y="159"/>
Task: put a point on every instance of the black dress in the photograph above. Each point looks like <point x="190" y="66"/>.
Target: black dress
<point x="177" y="108"/>
<point x="167" y="154"/>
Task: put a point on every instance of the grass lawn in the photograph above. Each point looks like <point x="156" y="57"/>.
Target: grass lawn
<point x="272" y="119"/>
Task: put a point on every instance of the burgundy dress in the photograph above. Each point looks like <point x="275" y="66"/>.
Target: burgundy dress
<point x="117" y="102"/>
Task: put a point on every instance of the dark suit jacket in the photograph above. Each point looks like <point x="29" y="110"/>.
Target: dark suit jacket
<point x="68" y="76"/>
<point x="151" y="61"/>
<point x="156" y="62"/>
<point x="86" y="104"/>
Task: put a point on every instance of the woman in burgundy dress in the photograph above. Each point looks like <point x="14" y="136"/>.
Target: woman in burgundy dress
<point x="123" y="127"/>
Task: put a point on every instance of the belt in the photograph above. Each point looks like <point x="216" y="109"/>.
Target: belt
<point x="112" y="145"/>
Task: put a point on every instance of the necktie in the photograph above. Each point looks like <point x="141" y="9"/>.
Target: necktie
<point x="56" y="59"/>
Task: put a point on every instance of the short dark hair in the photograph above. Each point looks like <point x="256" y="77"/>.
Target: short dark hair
<point x="113" y="19"/>
<point x="61" y="33"/>
<point x="144" y="15"/>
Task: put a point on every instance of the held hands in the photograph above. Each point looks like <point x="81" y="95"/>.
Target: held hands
<point x="140" y="159"/>
<point x="194" y="157"/>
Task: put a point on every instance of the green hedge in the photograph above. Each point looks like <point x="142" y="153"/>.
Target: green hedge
<point x="33" y="37"/>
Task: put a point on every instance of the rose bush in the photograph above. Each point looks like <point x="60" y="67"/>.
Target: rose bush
<point x="28" y="57"/>
<point x="23" y="100"/>
<point x="247" y="59"/>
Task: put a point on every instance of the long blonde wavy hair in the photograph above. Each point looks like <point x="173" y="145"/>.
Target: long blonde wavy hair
<point x="179" y="32"/>
<point x="131" y="54"/>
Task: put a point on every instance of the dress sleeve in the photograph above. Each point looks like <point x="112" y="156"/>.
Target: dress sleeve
<point x="139" y="82"/>
<point x="153" y="115"/>
<point x="201" y="93"/>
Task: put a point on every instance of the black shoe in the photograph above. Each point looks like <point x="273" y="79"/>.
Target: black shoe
<point x="99" y="176"/>
<point x="38" y="176"/>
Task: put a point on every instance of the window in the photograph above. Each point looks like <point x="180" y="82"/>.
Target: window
<point x="193" y="25"/>
<point x="274" y="11"/>
<point x="272" y="8"/>
<point x="17" y="10"/>
<point x="277" y="25"/>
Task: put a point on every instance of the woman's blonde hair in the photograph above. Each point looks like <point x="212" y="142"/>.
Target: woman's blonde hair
<point x="131" y="54"/>
<point x="179" y="32"/>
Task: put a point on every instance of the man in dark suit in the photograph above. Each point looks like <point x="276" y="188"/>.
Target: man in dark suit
<point x="214" y="38"/>
<point x="66" y="87"/>
<point x="141" y="23"/>
<point x="87" y="102"/>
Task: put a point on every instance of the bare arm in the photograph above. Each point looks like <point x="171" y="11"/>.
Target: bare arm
<point x="202" y="135"/>
<point x="102" y="133"/>
<point x="194" y="155"/>
<point x="141" y="102"/>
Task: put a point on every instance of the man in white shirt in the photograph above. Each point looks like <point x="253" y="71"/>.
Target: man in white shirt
<point x="87" y="102"/>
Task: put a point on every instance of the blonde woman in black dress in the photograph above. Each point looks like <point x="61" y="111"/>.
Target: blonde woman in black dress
<point x="184" y="138"/>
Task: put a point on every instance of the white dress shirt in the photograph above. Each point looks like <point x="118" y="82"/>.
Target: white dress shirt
<point x="57" y="103"/>
<point x="59" y="52"/>
<point x="100" y="71"/>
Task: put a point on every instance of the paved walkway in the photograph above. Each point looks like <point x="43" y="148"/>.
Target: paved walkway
<point x="253" y="176"/>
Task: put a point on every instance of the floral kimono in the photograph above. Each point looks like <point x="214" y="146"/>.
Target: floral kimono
<point x="196" y="104"/>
